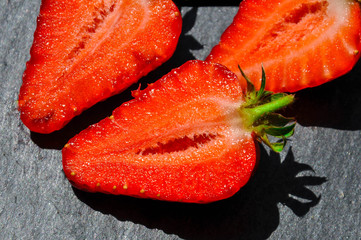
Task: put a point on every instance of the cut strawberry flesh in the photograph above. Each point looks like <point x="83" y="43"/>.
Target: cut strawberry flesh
<point x="178" y="145"/>
<point x="181" y="139"/>
<point x="87" y="51"/>
<point x="301" y="43"/>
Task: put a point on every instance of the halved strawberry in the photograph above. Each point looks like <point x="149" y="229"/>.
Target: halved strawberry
<point x="188" y="137"/>
<point x="301" y="43"/>
<point x="86" y="51"/>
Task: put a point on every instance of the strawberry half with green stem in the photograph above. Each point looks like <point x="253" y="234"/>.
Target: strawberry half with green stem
<point x="86" y="51"/>
<point x="301" y="43"/>
<point x="190" y="136"/>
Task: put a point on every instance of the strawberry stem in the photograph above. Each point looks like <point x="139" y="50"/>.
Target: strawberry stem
<point x="258" y="113"/>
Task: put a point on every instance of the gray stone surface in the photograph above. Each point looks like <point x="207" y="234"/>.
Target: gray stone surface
<point x="310" y="191"/>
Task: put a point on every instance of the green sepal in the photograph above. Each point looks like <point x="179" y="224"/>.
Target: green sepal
<point x="250" y="87"/>
<point x="261" y="92"/>
<point x="278" y="146"/>
<point x="275" y="119"/>
<point x="258" y="111"/>
<point x="275" y="146"/>
<point x="286" y="131"/>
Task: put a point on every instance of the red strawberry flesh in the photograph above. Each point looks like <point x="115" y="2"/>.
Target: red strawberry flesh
<point x="301" y="43"/>
<point x="87" y="51"/>
<point x="180" y="139"/>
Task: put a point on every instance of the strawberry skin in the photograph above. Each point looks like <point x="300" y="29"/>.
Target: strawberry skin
<point x="180" y="139"/>
<point x="301" y="43"/>
<point x="86" y="51"/>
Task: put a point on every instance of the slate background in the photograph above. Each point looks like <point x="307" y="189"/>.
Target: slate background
<point x="310" y="191"/>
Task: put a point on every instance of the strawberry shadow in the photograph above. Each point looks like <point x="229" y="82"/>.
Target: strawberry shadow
<point x="250" y="214"/>
<point x="205" y="3"/>
<point x="101" y="110"/>
<point x="335" y="104"/>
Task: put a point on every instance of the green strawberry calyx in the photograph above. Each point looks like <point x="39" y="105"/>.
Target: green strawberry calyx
<point x="259" y="117"/>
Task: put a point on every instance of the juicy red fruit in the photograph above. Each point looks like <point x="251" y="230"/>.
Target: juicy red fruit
<point x="180" y="139"/>
<point x="87" y="51"/>
<point x="301" y="43"/>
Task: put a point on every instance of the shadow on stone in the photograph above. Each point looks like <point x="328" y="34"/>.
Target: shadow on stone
<point x="250" y="214"/>
<point x="205" y="3"/>
<point x="335" y="104"/>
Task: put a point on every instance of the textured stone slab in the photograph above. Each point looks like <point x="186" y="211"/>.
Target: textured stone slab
<point x="311" y="191"/>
